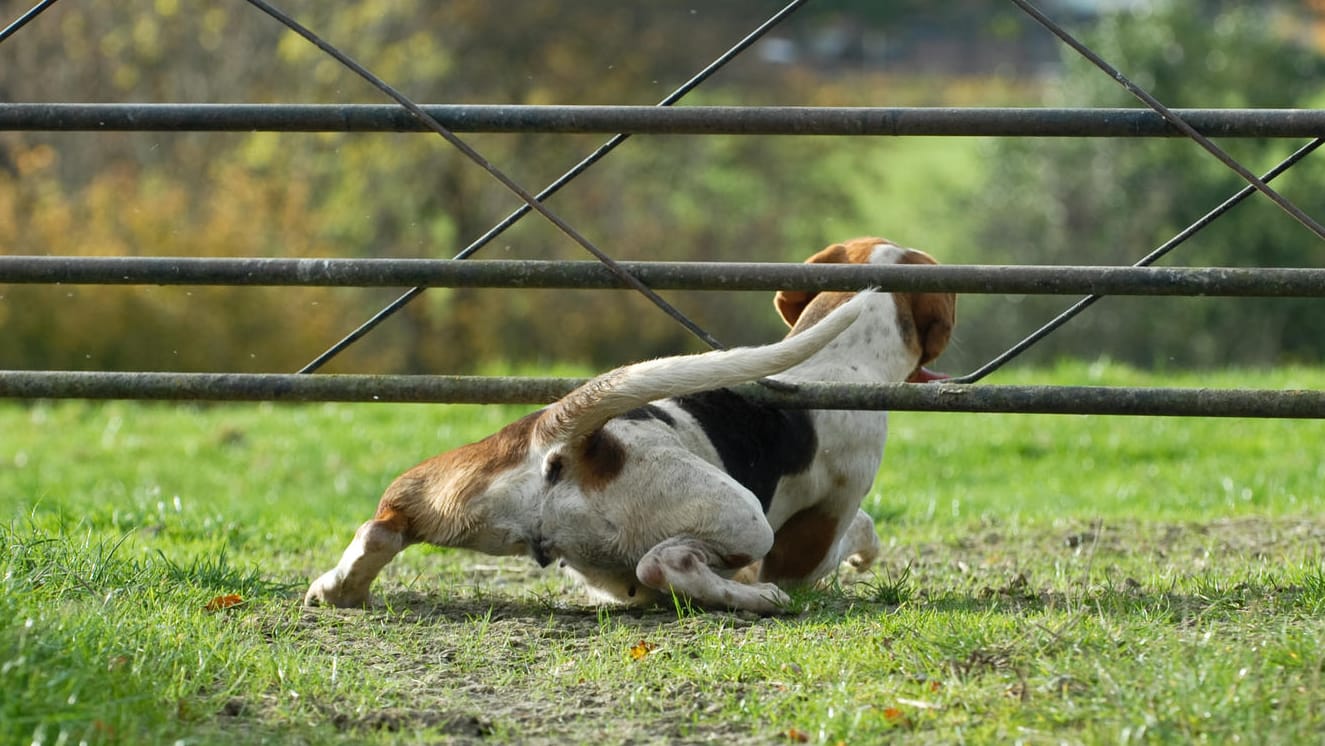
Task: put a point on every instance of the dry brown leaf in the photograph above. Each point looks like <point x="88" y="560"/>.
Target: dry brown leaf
<point x="641" y="649"/>
<point x="224" y="602"/>
<point x="897" y="717"/>
<point x="797" y="735"/>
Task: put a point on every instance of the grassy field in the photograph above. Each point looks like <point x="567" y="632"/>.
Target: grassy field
<point x="1044" y="579"/>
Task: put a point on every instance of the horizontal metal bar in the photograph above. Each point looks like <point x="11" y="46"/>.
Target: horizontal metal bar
<point x="1015" y="279"/>
<point x="492" y="390"/>
<point x="681" y="120"/>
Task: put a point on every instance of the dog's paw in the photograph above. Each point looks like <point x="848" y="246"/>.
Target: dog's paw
<point x="768" y="598"/>
<point x="329" y="591"/>
<point x="861" y="561"/>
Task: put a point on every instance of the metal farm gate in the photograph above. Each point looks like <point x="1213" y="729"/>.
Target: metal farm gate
<point x="959" y="394"/>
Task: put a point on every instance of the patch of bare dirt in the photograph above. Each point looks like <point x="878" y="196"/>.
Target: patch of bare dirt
<point x="1002" y="553"/>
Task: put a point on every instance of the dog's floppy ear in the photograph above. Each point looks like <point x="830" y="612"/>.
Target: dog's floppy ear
<point x="790" y="303"/>
<point x="932" y="313"/>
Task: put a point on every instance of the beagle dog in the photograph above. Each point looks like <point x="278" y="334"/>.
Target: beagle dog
<point x="656" y="479"/>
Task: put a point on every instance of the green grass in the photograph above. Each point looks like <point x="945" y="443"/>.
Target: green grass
<point x="1044" y="579"/>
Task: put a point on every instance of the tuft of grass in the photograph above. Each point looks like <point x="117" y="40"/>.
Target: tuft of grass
<point x="889" y="589"/>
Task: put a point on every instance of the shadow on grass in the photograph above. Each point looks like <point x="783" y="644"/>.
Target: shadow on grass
<point x="1212" y="602"/>
<point x="1228" y="576"/>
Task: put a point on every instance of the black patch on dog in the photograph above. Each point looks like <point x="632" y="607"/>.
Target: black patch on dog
<point x="538" y="549"/>
<point x="552" y="470"/>
<point x="650" y="412"/>
<point x="758" y="444"/>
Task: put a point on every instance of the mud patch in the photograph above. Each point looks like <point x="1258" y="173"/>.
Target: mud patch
<point x="396" y="720"/>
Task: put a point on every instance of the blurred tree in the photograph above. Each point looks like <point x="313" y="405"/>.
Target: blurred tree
<point x="406" y="195"/>
<point x="1113" y="201"/>
<point x="269" y="194"/>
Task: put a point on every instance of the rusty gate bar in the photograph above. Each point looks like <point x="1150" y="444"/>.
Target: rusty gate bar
<point x="1081" y="400"/>
<point x="685" y="120"/>
<point x="984" y="279"/>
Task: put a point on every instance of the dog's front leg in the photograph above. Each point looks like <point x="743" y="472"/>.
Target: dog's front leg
<point x="686" y="566"/>
<point x="375" y="544"/>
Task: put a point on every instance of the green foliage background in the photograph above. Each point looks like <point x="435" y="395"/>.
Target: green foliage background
<point x="1112" y="201"/>
<point x="674" y="198"/>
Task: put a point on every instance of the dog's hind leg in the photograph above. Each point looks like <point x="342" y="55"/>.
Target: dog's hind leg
<point x="685" y="566"/>
<point x="811" y="546"/>
<point x="375" y="544"/>
<point x="860" y="546"/>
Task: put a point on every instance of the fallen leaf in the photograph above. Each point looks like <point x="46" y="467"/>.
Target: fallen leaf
<point x="641" y="649"/>
<point x="897" y="717"/>
<point x="224" y="602"/>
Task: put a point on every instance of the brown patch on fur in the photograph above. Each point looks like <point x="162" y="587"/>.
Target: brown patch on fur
<point x="791" y="303"/>
<point x="800" y="545"/>
<point x="599" y="461"/>
<point x="391" y="519"/>
<point x="926" y="319"/>
<point x="748" y="575"/>
<point x="824" y="304"/>
<point x="432" y="499"/>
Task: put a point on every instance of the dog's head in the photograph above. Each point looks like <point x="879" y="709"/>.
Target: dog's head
<point x="924" y="319"/>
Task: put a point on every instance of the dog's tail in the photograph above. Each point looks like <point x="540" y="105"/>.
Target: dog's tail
<point x="583" y="411"/>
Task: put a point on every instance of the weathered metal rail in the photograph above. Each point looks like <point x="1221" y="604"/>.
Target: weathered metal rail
<point x="934" y="397"/>
<point x="1027" y="280"/>
<point x="655" y="120"/>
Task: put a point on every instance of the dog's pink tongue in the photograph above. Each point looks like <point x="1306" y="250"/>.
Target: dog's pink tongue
<point x="925" y="375"/>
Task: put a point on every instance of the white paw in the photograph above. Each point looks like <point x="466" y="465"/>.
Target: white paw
<point x="769" y="599"/>
<point x="329" y="591"/>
